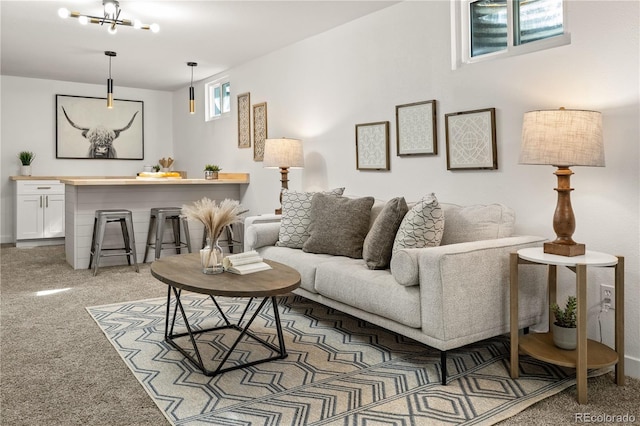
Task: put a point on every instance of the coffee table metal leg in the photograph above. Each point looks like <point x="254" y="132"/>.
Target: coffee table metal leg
<point x="244" y="331"/>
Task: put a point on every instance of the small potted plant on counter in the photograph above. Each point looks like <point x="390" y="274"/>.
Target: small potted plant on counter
<point x="564" y="327"/>
<point x="26" y="158"/>
<point x="156" y="168"/>
<point x="211" y="171"/>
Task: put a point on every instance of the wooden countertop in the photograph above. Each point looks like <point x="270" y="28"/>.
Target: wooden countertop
<point x="224" y="178"/>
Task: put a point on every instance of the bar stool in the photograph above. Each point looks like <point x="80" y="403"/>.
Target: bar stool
<point x="102" y="218"/>
<point x="159" y="215"/>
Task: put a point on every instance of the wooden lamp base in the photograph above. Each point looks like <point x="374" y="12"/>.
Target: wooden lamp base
<point x="284" y="179"/>
<point x="564" y="222"/>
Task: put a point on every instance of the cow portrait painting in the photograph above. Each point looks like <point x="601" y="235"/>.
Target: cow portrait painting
<point x="87" y="129"/>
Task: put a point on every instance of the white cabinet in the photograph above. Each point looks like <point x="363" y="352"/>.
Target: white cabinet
<point x="39" y="210"/>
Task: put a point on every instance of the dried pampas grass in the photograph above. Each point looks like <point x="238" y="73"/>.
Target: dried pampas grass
<point x="214" y="217"/>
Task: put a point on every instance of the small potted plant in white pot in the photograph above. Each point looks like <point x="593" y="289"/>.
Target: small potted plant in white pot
<point x="211" y="171"/>
<point x="26" y="158"/>
<point x="564" y="327"/>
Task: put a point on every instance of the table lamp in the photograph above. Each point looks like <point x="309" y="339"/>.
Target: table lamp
<point x="283" y="153"/>
<point x="563" y="138"/>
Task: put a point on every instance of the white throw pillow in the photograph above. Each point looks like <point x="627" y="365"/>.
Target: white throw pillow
<point x="296" y="217"/>
<point x="422" y="226"/>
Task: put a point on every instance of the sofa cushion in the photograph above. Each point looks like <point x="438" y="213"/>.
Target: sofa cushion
<point x="422" y="226"/>
<point x="296" y="210"/>
<point x="338" y="225"/>
<point x="305" y="263"/>
<point x="477" y="222"/>
<point x="378" y="243"/>
<point x="374" y="291"/>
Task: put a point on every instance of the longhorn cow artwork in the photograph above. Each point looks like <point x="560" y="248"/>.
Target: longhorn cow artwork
<point x="87" y="129"/>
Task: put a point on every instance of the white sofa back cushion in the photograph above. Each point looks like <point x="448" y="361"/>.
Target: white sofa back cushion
<point x="478" y="222"/>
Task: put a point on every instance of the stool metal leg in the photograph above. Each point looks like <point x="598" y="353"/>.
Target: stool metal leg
<point x="93" y="242"/>
<point x="185" y="226"/>
<point x="175" y="225"/>
<point x="102" y="222"/>
<point x="152" y="222"/>
<point x="132" y="242"/>
<point x="160" y="220"/>
<point x="125" y="237"/>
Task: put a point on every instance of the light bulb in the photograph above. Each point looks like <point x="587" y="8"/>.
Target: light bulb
<point x="83" y="20"/>
<point x="154" y="28"/>
<point x="112" y="29"/>
<point x="63" y="12"/>
<point x="109" y="7"/>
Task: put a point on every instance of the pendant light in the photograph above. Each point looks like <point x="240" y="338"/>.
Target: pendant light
<point x="110" y="54"/>
<point x="192" y="98"/>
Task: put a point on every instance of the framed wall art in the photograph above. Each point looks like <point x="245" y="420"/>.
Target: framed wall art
<point x="372" y="146"/>
<point x="259" y="130"/>
<point x="87" y="129"/>
<point x="471" y="140"/>
<point x="244" y="120"/>
<point x="416" y="129"/>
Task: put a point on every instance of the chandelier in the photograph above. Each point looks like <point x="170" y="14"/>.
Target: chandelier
<point x="111" y="18"/>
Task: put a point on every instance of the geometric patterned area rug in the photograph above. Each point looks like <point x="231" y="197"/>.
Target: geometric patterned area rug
<point x="339" y="371"/>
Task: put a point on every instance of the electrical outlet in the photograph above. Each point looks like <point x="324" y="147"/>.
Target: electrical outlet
<point x="607" y="296"/>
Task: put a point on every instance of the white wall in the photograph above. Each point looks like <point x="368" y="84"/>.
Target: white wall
<point x="28" y="123"/>
<point x="319" y="88"/>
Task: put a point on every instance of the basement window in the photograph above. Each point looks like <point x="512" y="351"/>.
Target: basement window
<point x="486" y="29"/>
<point x="218" y="99"/>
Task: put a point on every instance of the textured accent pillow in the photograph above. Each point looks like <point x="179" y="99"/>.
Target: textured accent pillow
<point x="294" y="224"/>
<point x="378" y="244"/>
<point x="422" y="226"/>
<point x="338" y="225"/>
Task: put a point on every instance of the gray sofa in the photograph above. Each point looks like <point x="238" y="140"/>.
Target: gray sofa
<point x="445" y="297"/>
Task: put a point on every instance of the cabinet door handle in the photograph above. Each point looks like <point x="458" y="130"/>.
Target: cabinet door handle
<point x="41" y="201"/>
<point x="44" y="187"/>
<point x="47" y="204"/>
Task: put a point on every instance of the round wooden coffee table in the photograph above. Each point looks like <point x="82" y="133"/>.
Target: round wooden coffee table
<point x="184" y="272"/>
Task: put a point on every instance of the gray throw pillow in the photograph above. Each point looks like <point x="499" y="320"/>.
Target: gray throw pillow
<point x="338" y="225"/>
<point x="378" y="244"/>
<point x="294" y="224"/>
<point x="422" y="226"/>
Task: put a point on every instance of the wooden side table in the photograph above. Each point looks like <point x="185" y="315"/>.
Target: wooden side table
<point x="589" y="353"/>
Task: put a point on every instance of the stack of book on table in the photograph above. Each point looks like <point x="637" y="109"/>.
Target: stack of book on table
<point x="244" y="263"/>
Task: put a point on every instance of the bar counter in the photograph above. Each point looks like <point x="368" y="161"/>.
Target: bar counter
<point x="85" y="195"/>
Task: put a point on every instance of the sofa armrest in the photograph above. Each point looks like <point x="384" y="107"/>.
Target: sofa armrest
<point x="405" y="262"/>
<point x="260" y="231"/>
<point x="464" y="288"/>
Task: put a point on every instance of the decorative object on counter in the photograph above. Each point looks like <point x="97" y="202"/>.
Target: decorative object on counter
<point x="100" y="129"/>
<point x="166" y="163"/>
<point x="372" y="146"/>
<point x="192" y="96"/>
<point x="214" y="217"/>
<point x="111" y="18"/>
<point x="564" y="327"/>
<point x="148" y="168"/>
<point x="416" y="129"/>
<point x="26" y="158"/>
<point x="244" y="120"/>
<point x="259" y="130"/>
<point x="283" y="153"/>
<point x="471" y="140"/>
<point x="563" y="138"/>
<point x="156" y="168"/>
<point x="211" y="171"/>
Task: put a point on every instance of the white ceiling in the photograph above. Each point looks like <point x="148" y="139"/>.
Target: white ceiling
<point x="218" y="35"/>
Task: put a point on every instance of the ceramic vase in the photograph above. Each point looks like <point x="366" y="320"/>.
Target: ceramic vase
<point x="25" y="170"/>
<point x="565" y="338"/>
